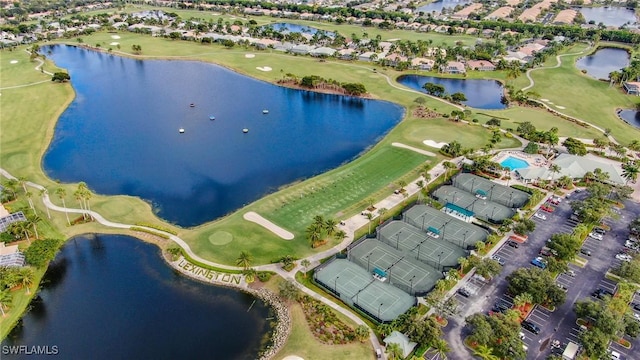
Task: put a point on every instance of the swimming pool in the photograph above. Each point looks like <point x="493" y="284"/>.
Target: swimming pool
<point x="514" y="163"/>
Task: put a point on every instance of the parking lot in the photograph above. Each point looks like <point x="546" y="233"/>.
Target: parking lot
<point x="579" y="282"/>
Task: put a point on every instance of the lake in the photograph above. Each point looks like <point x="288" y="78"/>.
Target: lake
<point x="603" y="61"/>
<point x="480" y="94"/>
<point x="113" y="297"/>
<point x="631" y="117"/>
<point x="120" y="134"/>
<point x="609" y="16"/>
<point x="437" y="6"/>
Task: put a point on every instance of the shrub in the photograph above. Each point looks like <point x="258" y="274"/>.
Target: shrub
<point x="264" y="276"/>
<point x="42" y="251"/>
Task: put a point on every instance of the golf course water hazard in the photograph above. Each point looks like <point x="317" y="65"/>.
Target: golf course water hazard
<point x="121" y="133"/>
<point x="603" y="62"/>
<point x="113" y="297"/>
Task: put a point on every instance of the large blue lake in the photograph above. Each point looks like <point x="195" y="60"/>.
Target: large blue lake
<point x="480" y="94"/>
<point x="120" y="134"/>
<point x="113" y="297"/>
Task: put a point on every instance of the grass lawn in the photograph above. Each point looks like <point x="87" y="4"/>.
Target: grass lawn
<point x="20" y="301"/>
<point x="593" y="101"/>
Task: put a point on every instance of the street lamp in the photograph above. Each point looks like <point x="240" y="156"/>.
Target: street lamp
<point x="422" y="222"/>
<point x="439" y="255"/>
<point x="493" y="212"/>
<point x="335" y="284"/>
<point x="411" y="282"/>
<point x="369" y="260"/>
<point x="398" y="240"/>
<point x="418" y="258"/>
<point x="464" y="242"/>
<point x="510" y="198"/>
<point x="379" y="311"/>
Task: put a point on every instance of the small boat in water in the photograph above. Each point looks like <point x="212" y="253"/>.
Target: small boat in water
<point x="212" y="117"/>
<point x="181" y="130"/>
<point x="245" y="130"/>
<point x="192" y="105"/>
<point x="265" y="111"/>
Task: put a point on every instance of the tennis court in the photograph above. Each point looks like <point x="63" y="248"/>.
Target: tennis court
<point x="401" y="267"/>
<point x="495" y="192"/>
<point x="357" y="287"/>
<point x="483" y="209"/>
<point x="449" y="228"/>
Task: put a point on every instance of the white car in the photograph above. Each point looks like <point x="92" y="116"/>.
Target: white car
<point x="540" y="216"/>
<point x="595" y="235"/>
<point x="631" y="245"/>
<point x="623" y="257"/>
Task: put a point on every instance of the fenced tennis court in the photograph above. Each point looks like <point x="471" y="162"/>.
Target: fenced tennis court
<point x="435" y="252"/>
<point x="400" y="267"/>
<point x="495" y="192"/>
<point x="483" y="209"/>
<point x="356" y="286"/>
<point x="449" y="228"/>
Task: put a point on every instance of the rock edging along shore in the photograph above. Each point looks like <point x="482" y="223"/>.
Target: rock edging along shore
<point x="283" y="326"/>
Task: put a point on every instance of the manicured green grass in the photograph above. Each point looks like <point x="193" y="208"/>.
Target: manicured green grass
<point x="20" y="301"/>
<point x="584" y="97"/>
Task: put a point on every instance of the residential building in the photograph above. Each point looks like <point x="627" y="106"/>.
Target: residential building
<point x="481" y="65"/>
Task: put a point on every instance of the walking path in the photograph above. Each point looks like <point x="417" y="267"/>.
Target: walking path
<point x="37" y="68"/>
<point x="419" y="151"/>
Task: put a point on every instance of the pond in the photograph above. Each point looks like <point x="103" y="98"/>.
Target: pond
<point x="289" y="28"/>
<point x="604" y="61"/>
<point x="120" y="134"/>
<point x="113" y="297"/>
<point x="609" y="16"/>
<point x="480" y="94"/>
<point x="437" y="6"/>
<point x="631" y="117"/>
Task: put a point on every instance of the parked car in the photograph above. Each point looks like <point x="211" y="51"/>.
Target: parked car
<point x="596" y="236"/>
<point x="513" y="244"/>
<point x="599" y="230"/>
<point x="539" y="262"/>
<point x="528" y="325"/>
<point x="631" y="245"/>
<point x="601" y="293"/>
<point x="623" y="257"/>
<point x="547" y="208"/>
<point x="562" y="287"/>
<point x="570" y="273"/>
<point x="636" y="306"/>
<point x="464" y="292"/>
<point x="498" y="259"/>
<point x="540" y="216"/>
<point x="501" y="307"/>
<point x="585" y="252"/>
<point x="575" y="217"/>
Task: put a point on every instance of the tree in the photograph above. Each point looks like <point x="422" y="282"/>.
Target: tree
<point x="5" y="301"/>
<point x="494" y="122"/>
<point x="314" y="234"/>
<point x="458" y="97"/>
<point x="565" y="246"/>
<point x="630" y="172"/>
<point x="537" y="282"/>
<point x="288" y="290"/>
<point x="595" y="343"/>
<point x="362" y="333"/>
<point x="434" y="89"/>
<point x="330" y="226"/>
<point x="41" y="252"/>
<point x="60" y="77"/>
<point x="244" y="260"/>
<point x="305" y="264"/>
<point x="554" y="169"/>
<point x="381" y="213"/>
<point x="488" y="268"/>
<point x="441" y="347"/>
<point x="369" y="217"/>
<point x="449" y="166"/>
<point x="531" y="148"/>
<point x="137" y="49"/>
<point x="26" y="277"/>
<point x="61" y="192"/>
<point x="394" y="351"/>
<point x="43" y="193"/>
<point x="485" y="353"/>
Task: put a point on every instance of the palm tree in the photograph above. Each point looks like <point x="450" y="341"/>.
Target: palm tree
<point x="305" y="263"/>
<point x="600" y="175"/>
<point x="441" y="347"/>
<point x="402" y="184"/>
<point x="29" y="195"/>
<point x="634" y="145"/>
<point x="33" y="220"/>
<point x="26" y="277"/>
<point x="485" y="353"/>
<point x="244" y="260"/>
<point x="381" y="213"/>
<point x="555" y="169"/>
<point x="448" y="166"/>
<point x="23" y="182"/>
<point x="565" y="182"/>
<point x="314" y="233"/>
<point x="61" y="192"/>
<point x="44" y="192"/>
<point x="463" y="261"/>
<point x="250" y="274"/>
<point x="340" y="235"/>
<point x="394" y="351"/>
<point x="630" y="172"/>
<point x="5" y="300"/>
<point x="11" y="186"/>
<point x="78" y="195"/>
<point x="369" y="217"/>
<point x="330" y="226"/>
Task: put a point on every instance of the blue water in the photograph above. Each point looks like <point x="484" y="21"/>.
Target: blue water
<point x="120" y="134"/>
<point x="480" y="94"/>
<point x="603" y="62"/>
<point x="514" y="163"/>
<point x="113" y="297"/>
<point x="631" y="117"/>
<point x="609" y="16"/>
<point x="289" y="27"/>
<point x="437" y="6"/>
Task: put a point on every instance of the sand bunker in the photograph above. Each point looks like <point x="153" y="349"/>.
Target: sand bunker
<point x="437" y="145"/>
<point x="115" y="37"/>
<point x="560" y="107"/>
<point x="114" y="43"/>
<point x="249" y="56"/>
<point x="264" y="68"/>
<point x="256" y="218"/>
<point x="292" y="357"/>
<point x="13" y="62"/>
<point x="419" y="151"/>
